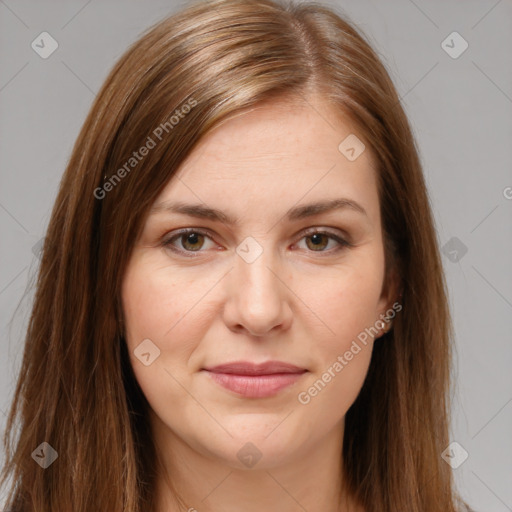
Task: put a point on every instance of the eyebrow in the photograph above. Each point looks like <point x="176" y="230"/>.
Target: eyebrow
<point x="299" y="212"/>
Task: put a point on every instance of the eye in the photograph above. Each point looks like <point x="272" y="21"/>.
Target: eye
<point x="191" y="240"/>
<point x="317" y="241"/>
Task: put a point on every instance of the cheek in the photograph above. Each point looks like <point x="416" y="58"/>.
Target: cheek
<point x="343" y="356"/>
<point x="155" y="303"/>
<point x="169" y="308"/>
<point x="345" y="306"/>
<point x="327" y="396"/>
<point x="155" y="306"/>
<point x="150" y="312"/>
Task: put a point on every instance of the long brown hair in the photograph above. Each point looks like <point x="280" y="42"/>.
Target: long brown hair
<point x="184" y="76"/>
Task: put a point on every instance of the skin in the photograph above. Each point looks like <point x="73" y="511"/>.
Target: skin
<point x="297" y="302"/>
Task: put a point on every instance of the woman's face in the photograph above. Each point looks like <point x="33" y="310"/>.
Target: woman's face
<point x="251" y="283"/>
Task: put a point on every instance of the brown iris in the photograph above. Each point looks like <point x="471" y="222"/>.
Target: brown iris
<point x="317" y="242"/>
<point x="193" y="240"/>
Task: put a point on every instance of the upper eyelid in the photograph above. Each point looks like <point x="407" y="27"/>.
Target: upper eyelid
<point x="328" y="230"/>
<point x="304" y="232"/>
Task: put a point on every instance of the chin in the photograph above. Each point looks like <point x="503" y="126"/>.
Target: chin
<point x="257" y="449"/>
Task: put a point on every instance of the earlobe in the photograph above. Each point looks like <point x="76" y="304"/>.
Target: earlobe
<point x="391" y="295"/>
<point x="388" y="327"/>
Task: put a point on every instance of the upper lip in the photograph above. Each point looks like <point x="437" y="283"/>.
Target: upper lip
<point x="248" y="368"/>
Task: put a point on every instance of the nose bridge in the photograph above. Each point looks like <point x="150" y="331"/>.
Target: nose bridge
<point x="255" y="269"/>
<point x="258" y="300"/>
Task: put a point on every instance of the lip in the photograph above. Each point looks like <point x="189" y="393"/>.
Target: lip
<point x="255" y="380"/>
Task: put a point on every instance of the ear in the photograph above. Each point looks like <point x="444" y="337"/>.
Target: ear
<point x="391" y="291"/>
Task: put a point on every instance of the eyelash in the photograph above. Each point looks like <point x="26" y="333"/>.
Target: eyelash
<point x="167" y="243"/>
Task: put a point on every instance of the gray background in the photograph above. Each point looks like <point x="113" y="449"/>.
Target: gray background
<point x="461" y="113"/>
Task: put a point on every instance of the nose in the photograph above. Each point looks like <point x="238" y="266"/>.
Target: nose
<point x="258" y="297"/>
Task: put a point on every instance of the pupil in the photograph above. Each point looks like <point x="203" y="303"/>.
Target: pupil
<point x="317" y="240"/>
<point x="191" y="241"/>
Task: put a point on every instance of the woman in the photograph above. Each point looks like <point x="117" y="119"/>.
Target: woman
<point x="241" y="303"/>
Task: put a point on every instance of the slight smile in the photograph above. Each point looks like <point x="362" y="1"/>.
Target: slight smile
<point x="255" y="380"/>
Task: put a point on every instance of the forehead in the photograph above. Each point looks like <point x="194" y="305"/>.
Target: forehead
<point x="274" y="156"/>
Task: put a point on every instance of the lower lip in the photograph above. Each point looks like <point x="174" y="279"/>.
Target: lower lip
<point x="255" y="386"/>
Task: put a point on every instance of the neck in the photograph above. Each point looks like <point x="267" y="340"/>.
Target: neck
<point x="189" y="480"/>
